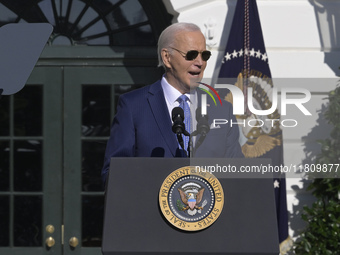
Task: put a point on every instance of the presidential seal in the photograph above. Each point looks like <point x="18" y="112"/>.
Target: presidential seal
<point x="191" y="198"/>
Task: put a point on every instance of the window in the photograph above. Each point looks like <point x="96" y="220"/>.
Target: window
<point x="91" y="22"/>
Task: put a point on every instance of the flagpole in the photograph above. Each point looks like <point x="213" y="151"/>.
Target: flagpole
<point x="246" y="57"/>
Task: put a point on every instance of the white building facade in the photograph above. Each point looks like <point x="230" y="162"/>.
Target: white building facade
<point x="302" y="39"/>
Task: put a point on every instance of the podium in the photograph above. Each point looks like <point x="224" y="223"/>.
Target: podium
<point x="134" y="224"/>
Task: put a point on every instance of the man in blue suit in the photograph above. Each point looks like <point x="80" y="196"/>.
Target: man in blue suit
<point x="142" y="126"/>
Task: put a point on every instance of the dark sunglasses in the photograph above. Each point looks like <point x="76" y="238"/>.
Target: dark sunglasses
<point x="192" y="54"/>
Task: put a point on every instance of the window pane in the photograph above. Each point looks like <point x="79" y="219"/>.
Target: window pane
<point x="27" y="221"/>
<point x="92" y="220"/>
<point x="96" y="110"/>
<point x="4" y="221"/>
<point x="46" y="7"/>
<point x="4" y="166"/>
<point x="28" y="111"/>
<point x="28" y="165"/>
<point x="4" y="115"/>
<point x="89" y="16"/>
<point x="93" y="156"/>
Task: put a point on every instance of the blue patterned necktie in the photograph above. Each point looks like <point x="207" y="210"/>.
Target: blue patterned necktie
<point x="187" y="117"/>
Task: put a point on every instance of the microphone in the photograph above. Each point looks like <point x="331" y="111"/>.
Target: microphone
<point x="178" y="126"/>
<point x="202" y="122"/>
<point x="202" y="126"/>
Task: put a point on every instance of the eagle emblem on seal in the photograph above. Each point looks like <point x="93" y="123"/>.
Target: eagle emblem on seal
<point x="191" y="196"/>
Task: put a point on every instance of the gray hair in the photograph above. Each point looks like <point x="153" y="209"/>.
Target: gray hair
<point x="168" y="36"/>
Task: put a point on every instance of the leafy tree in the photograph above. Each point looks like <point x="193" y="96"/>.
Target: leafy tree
<point x="322" y="234"/>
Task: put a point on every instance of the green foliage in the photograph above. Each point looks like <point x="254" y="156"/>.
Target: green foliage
<point x="322" y="234"/>
<point x="180" y="206"/>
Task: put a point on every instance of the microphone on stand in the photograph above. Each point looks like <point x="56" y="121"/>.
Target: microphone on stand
<point x="178" y="126"/>
<point x="202" y="127"/>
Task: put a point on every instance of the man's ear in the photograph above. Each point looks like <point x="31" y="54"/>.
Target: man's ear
<point x="166" y="57"/>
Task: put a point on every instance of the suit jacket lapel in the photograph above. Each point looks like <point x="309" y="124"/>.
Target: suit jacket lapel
<point x="161" y="114"/>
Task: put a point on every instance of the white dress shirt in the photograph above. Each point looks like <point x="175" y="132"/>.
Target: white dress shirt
<point x="171" y="95"/>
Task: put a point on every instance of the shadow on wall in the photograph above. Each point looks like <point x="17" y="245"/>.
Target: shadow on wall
<point x="328" y="21"/>
<point x="311" y="150"/>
